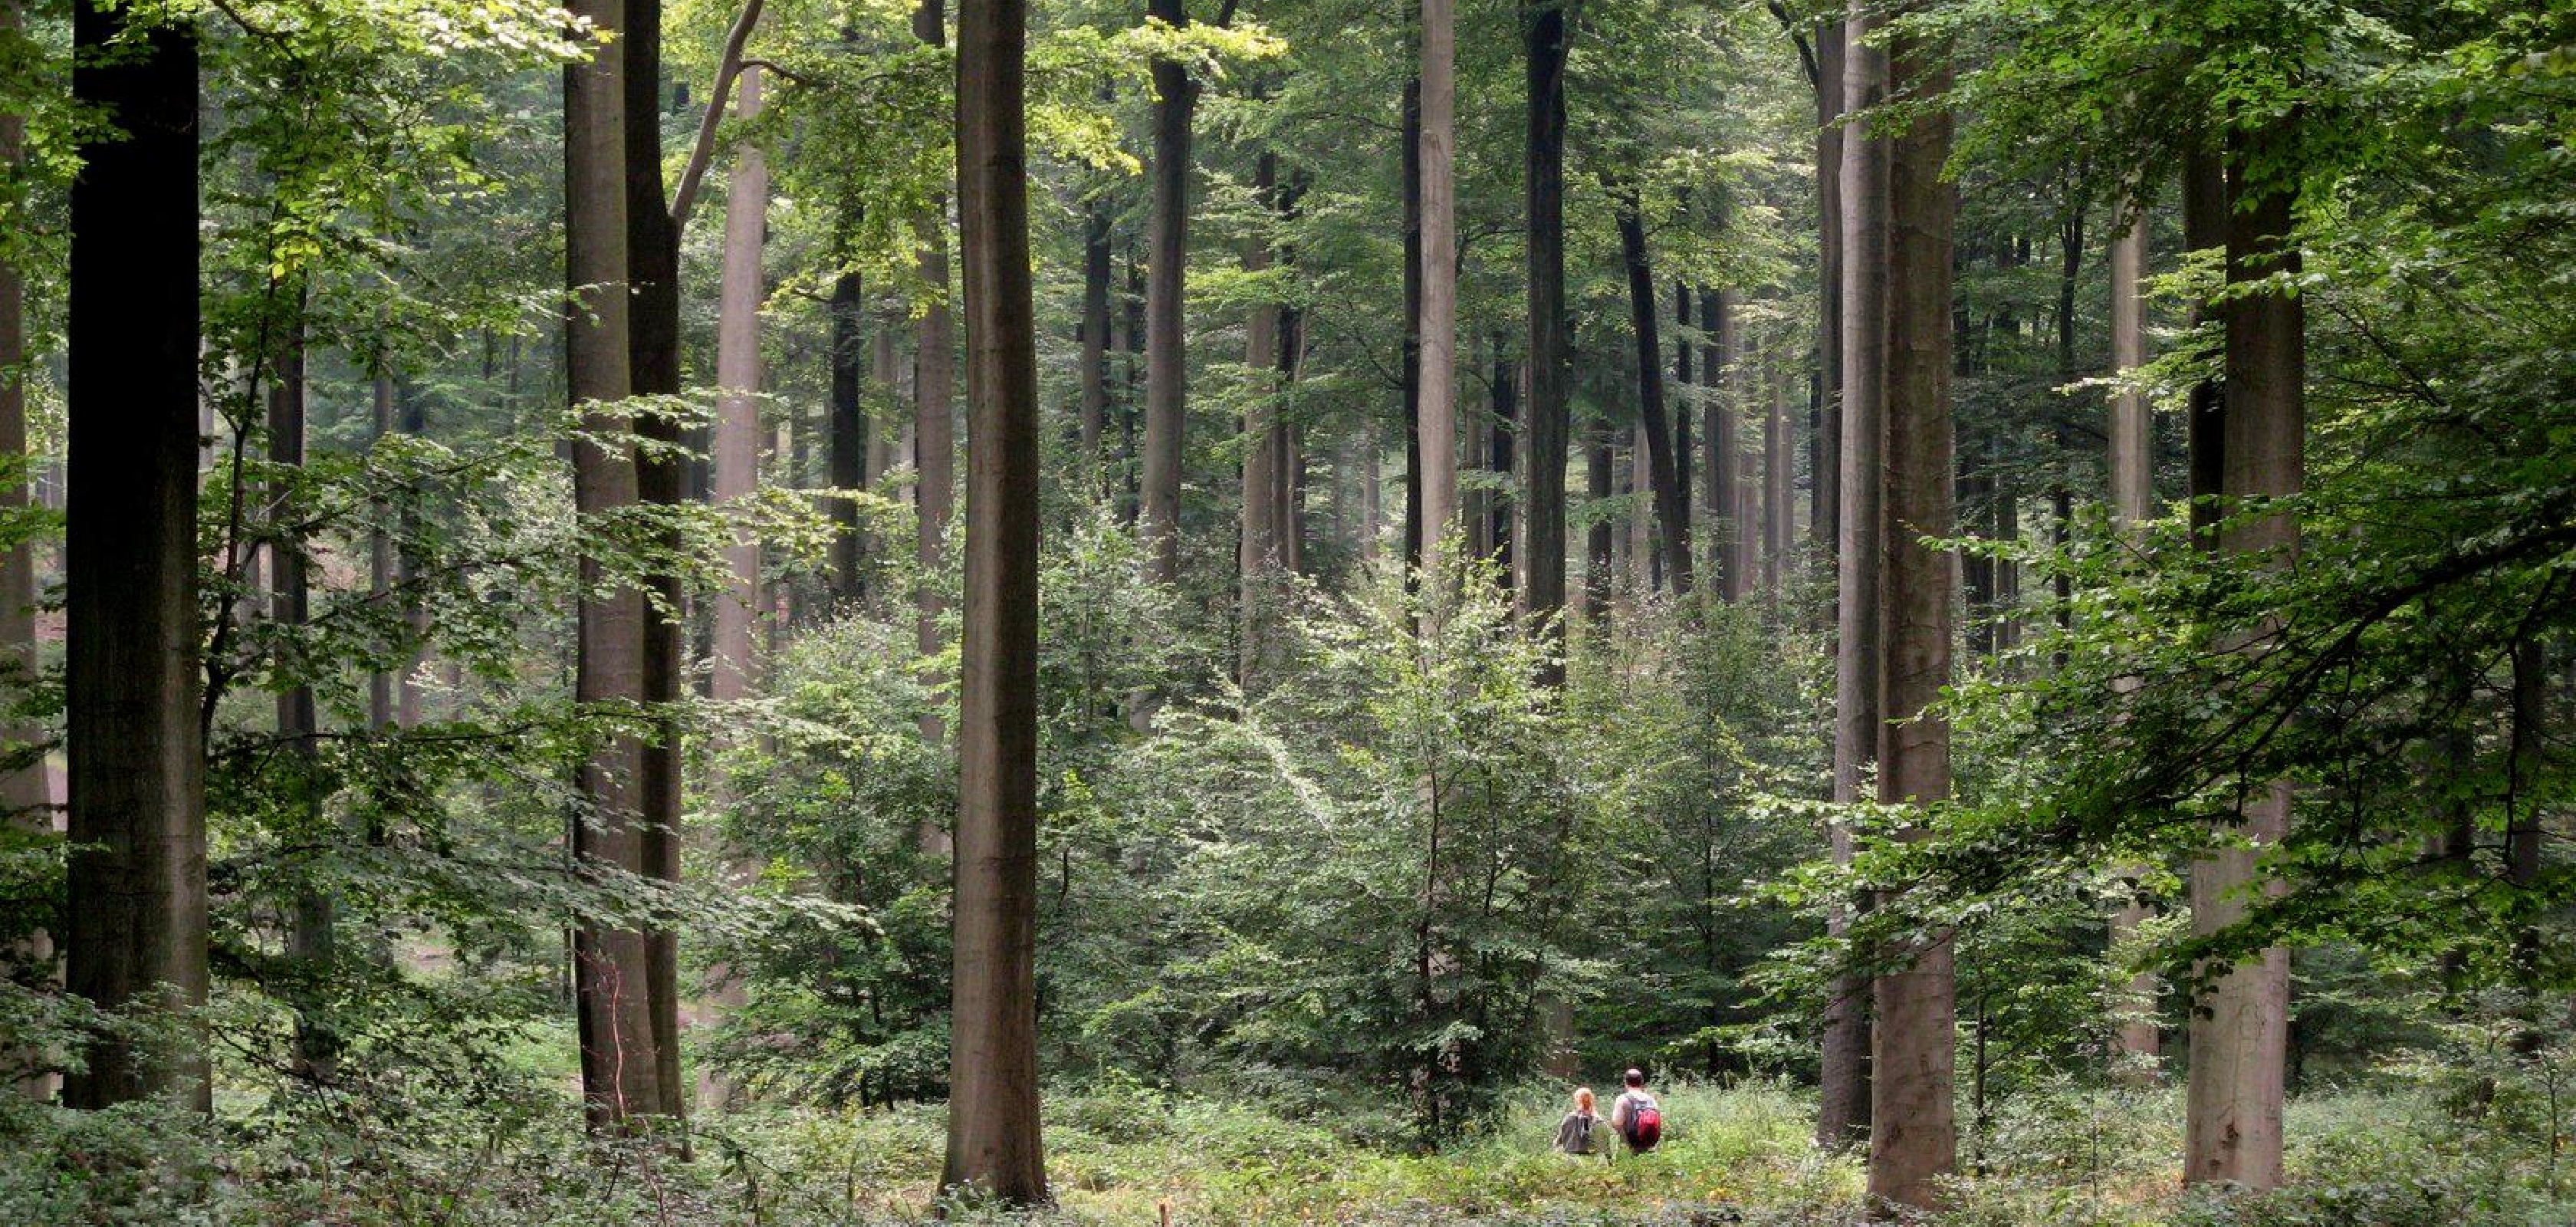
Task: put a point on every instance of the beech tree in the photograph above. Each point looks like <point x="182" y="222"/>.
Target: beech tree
<point x="1914" y="1014"/>
<point x="2240" y="1026"/>
<point x="993" y="1137"/>
<point x="620" y="1069"/>
<point x="1844" y="1093"/>
<point x="135" y="932"/>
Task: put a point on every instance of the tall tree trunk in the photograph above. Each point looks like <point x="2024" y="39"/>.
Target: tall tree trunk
<point x="1259" y="553"/>
<point x="1600" y="538"/>
<point x="1914" y="1028"/>
<point x="1824" y="446"/>
<point x="620" y="1073"/>
<point x="1844" y="1094"/>
<point x="849" y="433"/>
<point x="392" y="701"/>
<point x="1717" y="489"/>
<point x="2240" y="1026"/>
<point x="1672" y="506"/>
<point x="2204" y="227"/>
<point x="1779" y="519"/>
<point x="1681" y="413"/>
<point x="135" y="931"/>
<point x="1131" y="462"/>
<point x="738" y="373"/>
<point x="309" y="945"/>
<point x="27" y="794"/>
<point x="1743" y="394"/>
<point x="1639" y="566"/>
<point x="934" y="432"/>
<point x="993" y="1135"/>
<point x="1550" y="332"/>
<point x="1727" y="492"/>
<point x="1166" y="352"/>
<point x="1095" y="339"/>
<point x="2061" y="489"/>
<point x="663" y="476"/>
<point x="2132" y="465"/>
<point x="1498" y="460"/>
<point x="1437" y="376"/>
<point x="1409" y="373"/>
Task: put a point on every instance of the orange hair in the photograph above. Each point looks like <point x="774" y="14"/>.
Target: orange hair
<point x="1583" y="1099"/>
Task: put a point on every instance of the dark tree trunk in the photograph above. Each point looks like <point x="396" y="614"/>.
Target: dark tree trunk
<point x="1550" y="334"/>
<point x="309" y="944"/>
<point x="1498" y="459"/>
<point x="662" y="478"/>
<point x="1672" y="507"/>
<point x="1411" y="374"/>
<point x="135" y="932"/>
<point x="993" y="1135"/>
<point x="1824" y="445"/>
<point x="1166" y="352"/>
<point x="611" y="967"/>
<point x="1914" y="1024"/>
<point x="1095" y="338"/>
<point x="2204" y="227"/>
<point x="1601" y="539"/>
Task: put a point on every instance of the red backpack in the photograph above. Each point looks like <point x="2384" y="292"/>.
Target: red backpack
<point x="1645" y="1124"/>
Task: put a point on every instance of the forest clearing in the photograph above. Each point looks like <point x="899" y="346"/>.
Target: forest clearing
<point x="1538" y="613"/>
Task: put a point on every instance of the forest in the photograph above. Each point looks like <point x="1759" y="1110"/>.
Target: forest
<point x="1083" y="612"/>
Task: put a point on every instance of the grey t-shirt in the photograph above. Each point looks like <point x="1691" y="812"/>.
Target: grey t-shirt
<point x="1574" y="1133"/>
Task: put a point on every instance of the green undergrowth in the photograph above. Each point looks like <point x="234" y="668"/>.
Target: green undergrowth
<point x="1731" y="1155"/>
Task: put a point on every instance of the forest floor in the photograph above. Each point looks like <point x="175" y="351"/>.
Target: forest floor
<point x="1731" y="1155"/>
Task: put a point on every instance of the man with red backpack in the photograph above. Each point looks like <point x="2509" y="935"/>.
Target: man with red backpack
<point x="1635" y="1116"/>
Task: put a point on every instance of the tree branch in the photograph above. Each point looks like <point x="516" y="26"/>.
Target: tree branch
<point x="728" y="67"/>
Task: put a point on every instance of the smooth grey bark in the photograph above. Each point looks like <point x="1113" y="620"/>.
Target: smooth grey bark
<point x="1843" y="1113"/>
<point x="850" y="434"/>
<point x="135" y="928"/>
<point x="1437" y="355"/>
<point x="738" y="374"/>
<point x="1824" y="448"/>
<point x="994" y="1143"/>
<point x="620" y="1070"/>
<point x="2132" y="473"/>
<point x="1913" y="1141"/>
<point x="2239" y="1029"/>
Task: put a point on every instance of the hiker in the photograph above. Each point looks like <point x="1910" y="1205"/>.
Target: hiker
<point x="1635" y="1115"/>
<point x="1574" y="1133"/>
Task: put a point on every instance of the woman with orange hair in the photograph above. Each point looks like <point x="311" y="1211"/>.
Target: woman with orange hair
<point x="1574" y="1133"/>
